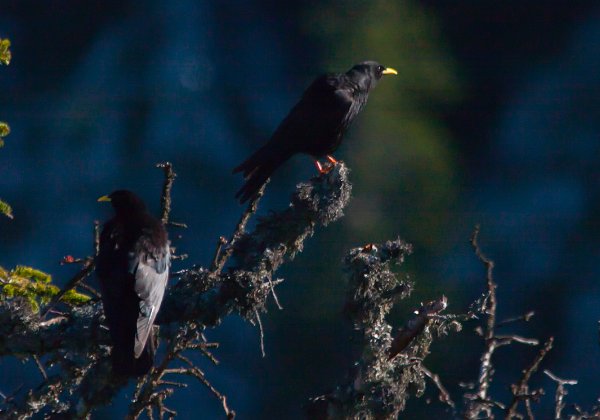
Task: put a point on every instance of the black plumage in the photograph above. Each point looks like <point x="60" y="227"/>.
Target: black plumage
<point x="315" y="125"/>
<point x="133" y="269"/>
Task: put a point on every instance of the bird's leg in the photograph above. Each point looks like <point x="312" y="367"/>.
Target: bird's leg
<point x="328" y="167"/>
<point x="319" y="167"/>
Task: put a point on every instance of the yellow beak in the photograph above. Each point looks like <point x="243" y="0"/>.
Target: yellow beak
<point x="390" y="70"/>
<point x="104" y="198"/>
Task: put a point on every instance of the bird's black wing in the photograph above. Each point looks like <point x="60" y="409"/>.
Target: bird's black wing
<point x="111" y="269"/>
<point x="149" y="264"/>
<point x="316" y="120"/>
<point x="118" y="297"/>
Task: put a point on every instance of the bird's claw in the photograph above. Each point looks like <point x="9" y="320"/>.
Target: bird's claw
<point x="325" y="169"/>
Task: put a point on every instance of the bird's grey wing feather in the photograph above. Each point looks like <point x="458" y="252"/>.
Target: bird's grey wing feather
<point x="151" y="272"/>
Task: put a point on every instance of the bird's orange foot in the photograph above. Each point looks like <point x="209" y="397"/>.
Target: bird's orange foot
<point x="323" y="169"/>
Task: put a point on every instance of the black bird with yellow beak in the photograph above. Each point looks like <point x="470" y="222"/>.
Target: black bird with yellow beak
<point x="316" y="124"/>
<point x="133" y="269"/>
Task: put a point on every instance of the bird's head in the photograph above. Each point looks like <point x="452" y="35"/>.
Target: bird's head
<point x="124" y="202"/>
<point x="368" y="73"/>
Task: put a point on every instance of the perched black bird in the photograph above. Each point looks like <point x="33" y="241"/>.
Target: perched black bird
<point x="133" y="269"/>
<point x="316" y="124"/>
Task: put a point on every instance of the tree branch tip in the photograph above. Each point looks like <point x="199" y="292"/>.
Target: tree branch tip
<point x="558" y="380"/>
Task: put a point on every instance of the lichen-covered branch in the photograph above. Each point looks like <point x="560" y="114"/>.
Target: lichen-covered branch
<point x="378" y="386"/>
<point x="203" y="296"/>
<point x="70" y="345"/>
<point x="165" y="378"/>
<point x="165" y="198"/>
<point x="390" y="370"/>
<point x="73" y="360"/>
<point x="199" y="298"/>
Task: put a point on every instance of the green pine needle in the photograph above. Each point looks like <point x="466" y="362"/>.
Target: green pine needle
<point x="32" y="274"/>
<point x="4" y="129"/>
<point x="36" y="287"/>
<point x="6" y="209"/>
<point x="5" y="54"/>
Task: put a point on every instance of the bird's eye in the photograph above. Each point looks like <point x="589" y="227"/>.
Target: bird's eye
<point x="380" y="69"/>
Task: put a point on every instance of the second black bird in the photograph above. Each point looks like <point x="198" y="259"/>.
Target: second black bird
<point x="316" y="124"/>
<point x="133" y="269"/>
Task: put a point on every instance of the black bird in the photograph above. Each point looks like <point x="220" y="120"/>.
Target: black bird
<point x="133" y="269"/>
<point x="315" y="125"/>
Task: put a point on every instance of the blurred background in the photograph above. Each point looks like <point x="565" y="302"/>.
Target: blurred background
<point x="494" y="118"/>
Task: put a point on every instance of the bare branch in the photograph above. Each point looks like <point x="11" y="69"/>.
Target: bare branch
<point x="222" y="257"/>
<point x="502" y="340"/>
<point x="40" y="367"/>
<point x="525" y="317"/>
<point x="262" y="334"/>
<point x="521" y="389"/>
<point x="444" y="394"/>
<point x="488" y="307"/>
<point x="217" y="258"/>
<point x="90" y="290"/>
<point x="88" y="268"/>
<point x="560" y="394"/>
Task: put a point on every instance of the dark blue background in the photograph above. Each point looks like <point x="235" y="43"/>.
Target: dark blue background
<point x="494" y="118"/>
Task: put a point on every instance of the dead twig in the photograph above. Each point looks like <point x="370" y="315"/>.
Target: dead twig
<point x="90" y="290"/>
<point x="216" y="259"/>
<point x="435" y="378"/>
<point x="40" y="367"/>
<point x="88" y="268"/>
<point x="222" y="257"/>
<point x="96" y="237"/>
<point x="560" y="393"/>
<point x="521" y="389"/>
<point x="525" y="317"/>
<point x="503" y="340"/>
<point x="488" y="307"/>
<point x="262" y="333"/>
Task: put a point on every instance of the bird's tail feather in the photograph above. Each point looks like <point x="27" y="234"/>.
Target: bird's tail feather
<point x="252" y="162"/>
<point x="257" y="169"/>
<point x="125" y="363"/>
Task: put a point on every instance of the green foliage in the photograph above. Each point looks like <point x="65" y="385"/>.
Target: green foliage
<point x="35" y="286"/>
<point x="5" y="54"/>
<point x="75" y="298"/>
<point x="4" y="131"/>
<point x="32" y="274"/>
<point x="6" y="209"/>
